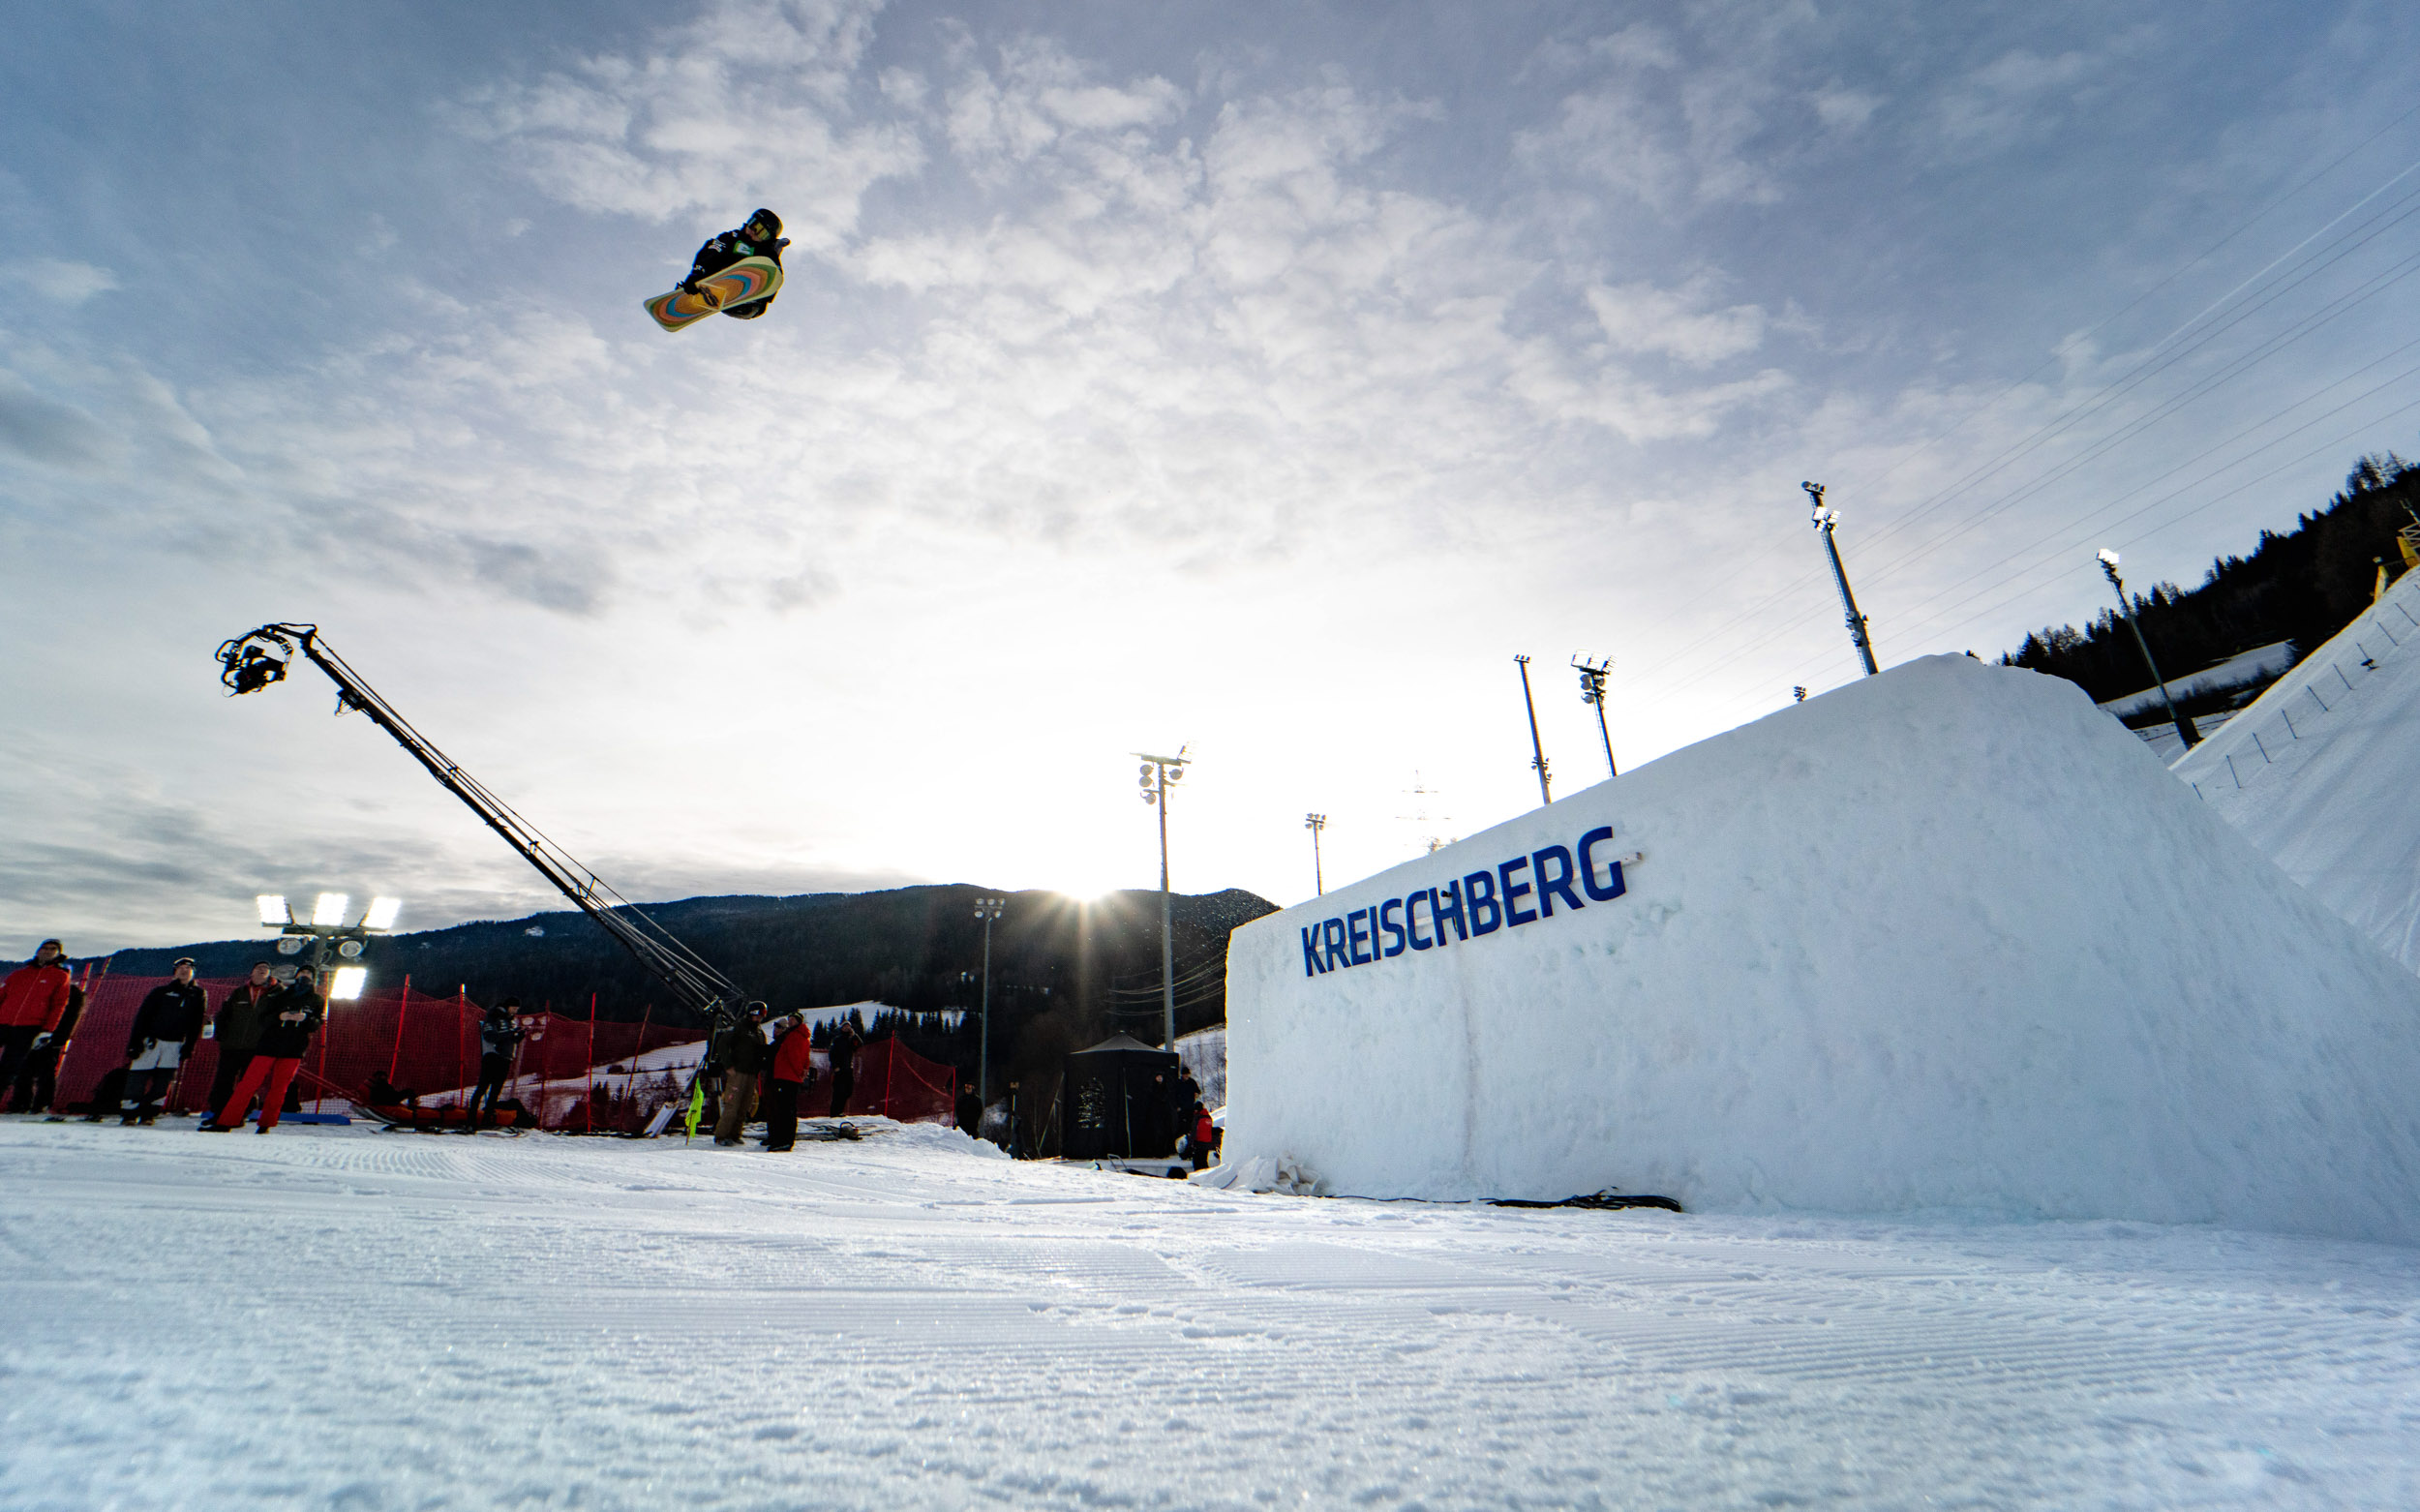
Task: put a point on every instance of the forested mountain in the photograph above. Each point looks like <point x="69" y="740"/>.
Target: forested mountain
<point x="1064" y="974"/>
<point x="2303" y="586"/>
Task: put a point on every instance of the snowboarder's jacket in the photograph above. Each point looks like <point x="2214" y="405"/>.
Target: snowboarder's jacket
<point x="793" y="1055"/>
<point x="727" y="249"/>
<point x="498" y="1033"/>
<point x="240" y="1018"/>
<point x="741" y="1046"/>
<point x="172" y="1012"/>
<point x="34" y="995"/>
<point x="290" y="1014"/>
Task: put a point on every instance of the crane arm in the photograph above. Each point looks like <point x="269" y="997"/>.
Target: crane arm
<point x="252" y="662"/>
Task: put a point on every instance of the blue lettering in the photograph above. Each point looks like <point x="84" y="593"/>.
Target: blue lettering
<point x="1478" y="891"/>
<point x="1557" y="883"/>
<point x="1358" y="932"/>
<point x="1438" y="898"/>
<point x="1514" y="892"/>
<point x="1588" y="865"/>
<point x="1332" y="934"/>
<point x="1412" y="921"/>
<point x="1390" y="926"/>
<point x="1311" y="966"/>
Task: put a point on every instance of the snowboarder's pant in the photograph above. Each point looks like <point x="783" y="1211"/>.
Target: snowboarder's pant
<point x="143" y="1091"/>
<point x="781" y="1114"/>
<point x="36" y="1080"/>
<point x="738" y="1093"/>
<point x="231" y="1064"/>
<point x="16" y="1042"/>
<point x="841" y="1082"/>
<point x="493" y="1069"/>
<point x="268" y="1075"/>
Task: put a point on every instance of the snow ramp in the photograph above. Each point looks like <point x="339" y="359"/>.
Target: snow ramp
<point x="1948" y="938"/>
<point x="2322" y="772"/>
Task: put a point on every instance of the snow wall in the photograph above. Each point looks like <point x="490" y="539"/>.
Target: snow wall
<point x="2322" y="772"/>
<point x="1946" y="938"/>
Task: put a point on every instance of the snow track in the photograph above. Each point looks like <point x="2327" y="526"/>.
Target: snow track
<point x="334" y="1318"/>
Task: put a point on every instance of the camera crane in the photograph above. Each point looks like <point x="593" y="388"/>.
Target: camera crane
<point x="252" y="662"/>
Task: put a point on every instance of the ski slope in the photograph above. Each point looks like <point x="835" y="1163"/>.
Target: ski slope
<point x="346" y="1318"/>
<point x="1945" y="938"/>
<point x="2322" y="772"/>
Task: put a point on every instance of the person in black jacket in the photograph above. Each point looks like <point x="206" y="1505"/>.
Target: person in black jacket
<point x="500" y="1036"/>
<point x="165" y="1029"/>
<point x="760" y="237"/>
<point x="742" y="1054"/>
<point x="970" y="1111"/>
<point x="236" y="1031"/>
<point x="846" y="1041"/>
<point x="290" y="1015"/>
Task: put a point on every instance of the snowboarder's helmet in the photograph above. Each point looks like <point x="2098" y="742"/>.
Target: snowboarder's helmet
<point x="765" y="218"/>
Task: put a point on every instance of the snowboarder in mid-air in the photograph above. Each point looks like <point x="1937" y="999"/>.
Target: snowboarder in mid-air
<point x="737" y="273"/>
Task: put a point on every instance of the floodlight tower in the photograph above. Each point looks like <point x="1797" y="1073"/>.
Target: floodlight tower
<point x="2185" y="730"/>
<point x="1537" y="759"/>
<point x="1158" y="774"/>
<point x="987" y="909"/>
<point x="1315" y="823"/>
<point x="328" y="931"/>
<point x="1592" y="671"/>
<point x="1827" y="521"/>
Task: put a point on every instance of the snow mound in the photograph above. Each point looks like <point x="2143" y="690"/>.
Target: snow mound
<point x="1263" y="1173"/>
<point x="1948" y="938"/>
<point x="943" y="1137"/>
<point x="2320" y="772"/>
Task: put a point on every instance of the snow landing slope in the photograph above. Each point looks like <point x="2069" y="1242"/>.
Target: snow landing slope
<point x="1946" y="938"/>
<point x="2322" y="772"/>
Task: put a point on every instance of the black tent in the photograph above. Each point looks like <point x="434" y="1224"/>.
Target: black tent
<point x="1120" y="1100"/>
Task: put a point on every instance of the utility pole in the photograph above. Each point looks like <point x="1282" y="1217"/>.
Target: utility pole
<point x="1826" y="522"/>
<point x="1546" y="791"/>
<point x="1592" y="691"/>
<point x="1315" y="823"/>
<point x="2185" y="730"/>
<point x="987" y="909"/>
<point x="1159" y="772"/>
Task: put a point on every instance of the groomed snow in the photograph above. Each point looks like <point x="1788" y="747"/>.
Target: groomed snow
<point x="1945" y="938"/>
<point x="2322" y="772"/>
<point x="348" y="1319"/>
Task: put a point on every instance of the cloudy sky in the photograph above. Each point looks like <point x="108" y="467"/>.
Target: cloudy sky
<point x="1259" y="378"/>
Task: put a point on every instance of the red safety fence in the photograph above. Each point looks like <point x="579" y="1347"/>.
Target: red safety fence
<point x="573" y="1074"/>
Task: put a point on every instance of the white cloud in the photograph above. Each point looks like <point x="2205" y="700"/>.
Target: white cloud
<point x="749" y="102"/>
<point x="66" y="283"/>
<point x="1640" y="318"/>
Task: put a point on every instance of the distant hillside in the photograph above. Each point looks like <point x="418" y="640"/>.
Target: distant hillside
<point x="2301" y="587"/>
<point x="1063" y="974"/>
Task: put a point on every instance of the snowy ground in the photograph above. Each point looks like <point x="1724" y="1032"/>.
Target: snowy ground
<point x="347" y="1318"/>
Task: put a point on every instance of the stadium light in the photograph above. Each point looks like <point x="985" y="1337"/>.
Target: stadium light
<point x="1166" y="770"/>
<point x="330" y="909"/>
<point x="348" y="984"/>
<point x="273" y="913"/>
<point x="382" y="912"/>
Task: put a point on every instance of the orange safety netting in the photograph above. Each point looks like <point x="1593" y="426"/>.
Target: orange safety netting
<point x="573" y="1074"/>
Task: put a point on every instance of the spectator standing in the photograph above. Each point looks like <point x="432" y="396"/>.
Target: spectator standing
<point x="165" y="1029"/>
<point x="292" y="1015"/>
<point x="792" y="1054"/>
<point x="236" y="1031"/>
<point x="743" y="1056"/>
<point x="1204" y="1140"/>
<point x="970" y="1111"/>
<point x="500" y="1036"/>
<point x="846" y="1041"/>
<point x="33" y="1000"/>
<point x="36" y="1084"/>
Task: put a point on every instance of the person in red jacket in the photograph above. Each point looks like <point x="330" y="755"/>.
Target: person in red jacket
<point x="787" y="1074"/>
<point x="32" y="1001"/>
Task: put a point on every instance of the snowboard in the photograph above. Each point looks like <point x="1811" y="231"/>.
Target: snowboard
<point x="744" y="282"/>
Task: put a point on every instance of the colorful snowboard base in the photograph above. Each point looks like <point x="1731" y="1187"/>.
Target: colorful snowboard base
<point x="744" y="282"/>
